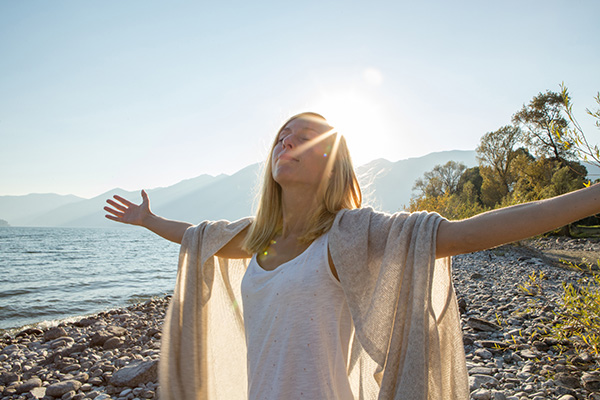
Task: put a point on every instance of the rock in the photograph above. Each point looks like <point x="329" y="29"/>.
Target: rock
<point x="483" y="353"/>
<point x="476" y="381"/>
<point x="60" y="388"/>
<point x="112" y="343"/>
<point x="30" y="331"/>
<point x="528" y="354"/>
<point x="481" y="371"/>
<point x="29" y="385"/>
<point x="69" y="395"/>
<point x="107" y="333"/>
<point x="85" y="322"/>
<point x="61" y="342"/>
<point x="496" y="395"/>
<point x="54" y="333"/>
<point x="590" y="382"/>
<point x="494" y="344"/>
<point x="99" y="338"/>
<point x="6" y="378"/>
<point x="135" y="373"/>
<point x="38" y="392"/>
<point x="567" y="380"/>
<point x="481" y="394"/>
<point x="116" y="330"/>
<point x="482" y="325"/>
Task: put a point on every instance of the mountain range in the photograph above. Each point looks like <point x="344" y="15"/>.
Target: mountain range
<point x="386" y="186"/>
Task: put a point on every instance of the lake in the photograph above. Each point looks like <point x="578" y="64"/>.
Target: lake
<point x="56" y="273"/>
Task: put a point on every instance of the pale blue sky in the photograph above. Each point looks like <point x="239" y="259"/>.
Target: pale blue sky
<point x="132" y="94"/>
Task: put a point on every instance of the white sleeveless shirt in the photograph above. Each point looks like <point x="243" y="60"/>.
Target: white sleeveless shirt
<point x="298" y="329"/>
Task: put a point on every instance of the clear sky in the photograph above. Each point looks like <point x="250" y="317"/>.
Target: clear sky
<point x="141" y="94"/>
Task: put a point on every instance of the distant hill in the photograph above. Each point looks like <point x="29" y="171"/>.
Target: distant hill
<point x="23" y="210"/>
<point x="386" y="186"/>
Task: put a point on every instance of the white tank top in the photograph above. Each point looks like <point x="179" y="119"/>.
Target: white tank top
<point x="298" y="329"/>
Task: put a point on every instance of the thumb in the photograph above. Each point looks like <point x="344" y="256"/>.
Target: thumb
<point x="144" y="196"/>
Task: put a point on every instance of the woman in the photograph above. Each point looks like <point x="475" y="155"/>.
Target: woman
<point x="338" y="301"/>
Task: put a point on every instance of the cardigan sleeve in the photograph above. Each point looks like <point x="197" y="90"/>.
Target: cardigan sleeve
<point x="402" y="302"/>
<point x="203" y="344"/>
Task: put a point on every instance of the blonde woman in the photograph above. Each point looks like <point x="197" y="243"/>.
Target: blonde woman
<point x="318" y="298"/>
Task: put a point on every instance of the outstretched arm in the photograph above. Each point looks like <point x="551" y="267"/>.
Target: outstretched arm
<point x="505" y="225"/>
<point x="124" y="211"/>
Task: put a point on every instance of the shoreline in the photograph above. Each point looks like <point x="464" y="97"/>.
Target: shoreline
<point x="110" y="354"/>
<point x="70" y="319"/>
<point x="113" y="354"/>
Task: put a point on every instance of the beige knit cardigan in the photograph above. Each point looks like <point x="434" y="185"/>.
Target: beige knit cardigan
<point x="407" y="342"/>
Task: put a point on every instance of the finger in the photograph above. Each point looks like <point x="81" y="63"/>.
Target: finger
<point x="116" y="213"/>
<point x="144" y="196"/>
<point x="124" y="201"/>
<point x="116" y="205"/>
<point x="113" y="218"/>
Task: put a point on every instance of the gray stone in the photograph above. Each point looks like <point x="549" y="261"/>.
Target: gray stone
<point x="29" y="385"/>
<point x="38" y="392"/>
<point x="528" y="354"/>
<point x="69" y="395"/>
<point x="483" y="353"/>
<point x="135" y="373"/>
<point x="481" y="394"/>
<point x="61" y="342"/>
<point x="565" y="379"/>
<point x="54" y="333"/>
<point x="496" y="395"/>
<point x="476" y="381"/>
<point x="60" y="388"/>
<point x="494" y="344"/>
<point x="590" y="382"/>
<point x="6" y="378"/>
<point x="112" y="343"/>
<point x="482" y="325"/>
<point x="481" y="371"/>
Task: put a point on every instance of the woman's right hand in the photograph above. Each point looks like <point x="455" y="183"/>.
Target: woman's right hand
<point x="126" y="212"/>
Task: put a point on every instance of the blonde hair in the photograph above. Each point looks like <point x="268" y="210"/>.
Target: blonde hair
<point x="340" y="190"/>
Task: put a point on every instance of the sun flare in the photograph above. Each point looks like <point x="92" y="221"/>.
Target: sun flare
<point x="361" y="121"/>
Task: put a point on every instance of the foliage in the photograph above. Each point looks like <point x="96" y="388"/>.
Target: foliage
<point x="574" y="138"/>
<point x="508" y="174"/>
<point x="578" y="319"/>
<point x="496" y="150"/>
<point x="577" y="316"/>
<point x="543" y="125"/>
<point x="440" y="180"/>
<point x="533" y="285"/>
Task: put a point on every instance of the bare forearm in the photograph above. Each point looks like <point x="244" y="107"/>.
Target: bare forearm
<point x="168" y="229"/>
<point x="506" y="225"/>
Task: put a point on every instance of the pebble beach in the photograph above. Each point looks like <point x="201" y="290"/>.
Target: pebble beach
<point x="114" y="354"/>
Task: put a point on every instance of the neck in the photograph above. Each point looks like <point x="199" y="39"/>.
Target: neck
<point x="298" y="204"/>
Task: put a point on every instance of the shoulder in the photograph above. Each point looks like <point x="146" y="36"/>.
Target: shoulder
<point x="214" y="236"/>
<point x="367" y="216"/>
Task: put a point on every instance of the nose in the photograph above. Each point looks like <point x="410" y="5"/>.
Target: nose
<point x="287" y="142"/>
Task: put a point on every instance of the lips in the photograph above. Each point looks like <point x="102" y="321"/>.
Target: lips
<point x="287" y="157"/>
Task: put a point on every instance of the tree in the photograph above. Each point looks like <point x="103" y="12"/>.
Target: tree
<point x="473" y="177"/>
<point x="543" y="125"/>
<point x="440" y="180"/>
<point x="574" y="138"/>
<point x="496" y="151"/>
<point x="449" y="189"/>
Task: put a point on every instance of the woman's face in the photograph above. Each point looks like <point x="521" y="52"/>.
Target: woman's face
<point x="301" y="152"/>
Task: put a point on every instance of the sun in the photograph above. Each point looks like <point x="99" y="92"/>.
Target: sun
<point x="359" y="119"/>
